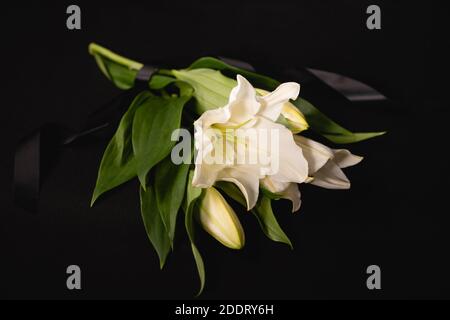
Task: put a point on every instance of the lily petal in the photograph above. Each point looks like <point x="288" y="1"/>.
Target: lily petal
<point x="292" y="165"/>
<point x="344" y="158"/>
<point x="242" y="103"/>
<point x="273" y="186"/>
<point x="272" y="103"/>
<point x="293" y="193"/>
<point x="330" y="176"/>
<point x="210" y="117"/>
<point x="246" y="178"/>
<point x="315" y="153"/>
<point x="205" y="174"/>
<point x="289" y="191"/>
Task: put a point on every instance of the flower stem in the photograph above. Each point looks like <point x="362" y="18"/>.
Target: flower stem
<point x="165" y="72"/>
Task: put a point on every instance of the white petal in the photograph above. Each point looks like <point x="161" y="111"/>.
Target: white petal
<point x="330" y="176"/>
<point x="242" y="103"/>
<point x="285" y="190"/>
<point x="315" y="153"/>
<point x="273" y="185"/>
<point x="287" y="161"/>
<point x="293" y="193"/>
<point x="205" y="175"/>
<point x="210" y="117"/>
<point x="343" y="158"/>
<point x="272" y="103"/>
<point x="246" y="179"/>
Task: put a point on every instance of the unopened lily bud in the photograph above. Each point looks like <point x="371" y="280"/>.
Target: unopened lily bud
<point x="295" y="119"/>
<point x="220" y="220"/>
<point x="292" y="117"/>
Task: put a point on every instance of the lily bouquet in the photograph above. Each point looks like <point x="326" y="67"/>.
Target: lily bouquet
<point x="247" y="146"/>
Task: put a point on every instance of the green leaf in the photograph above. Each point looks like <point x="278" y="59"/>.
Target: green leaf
<point x="185" y="89"/>
<point x="192" y="195"/>
<point x="328" y="128"/>
<point x="258" y="80"/>
<point x="200" y="267"/>
<point x="170" y="186"/>
<point x="158" y="82"/>
<point x="118" y="163"/>
<point x="232" y="191"/>
<point x="211" y="88"/>
<point x="153" y="223"/>
<point x="268" y="222"/>
<point x="353" y="137"/>
<point x="120" y="70"/>
<point x="153" y="125"/>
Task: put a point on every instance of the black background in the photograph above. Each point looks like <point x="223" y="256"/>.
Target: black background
<point x="392" y="217"/>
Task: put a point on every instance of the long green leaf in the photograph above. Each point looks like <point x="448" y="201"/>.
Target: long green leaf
<point x="192" y="195"/>
<point x="153" y="125"/>
<point x="118" y="163"/>
<point x="170" y="186"/>
<point x="268" y="222"/>
<point x="154" y="226"/>
<point x="120" y="70"/>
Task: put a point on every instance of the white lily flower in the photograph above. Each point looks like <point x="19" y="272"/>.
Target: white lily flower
<point x="248" y="113"/>
<point x="220" y="220"/>
<point x="325" y="164"/>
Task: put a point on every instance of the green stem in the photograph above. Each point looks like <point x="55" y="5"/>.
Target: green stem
<point x="95" y="49"/>
<point x="165" y="72"/>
